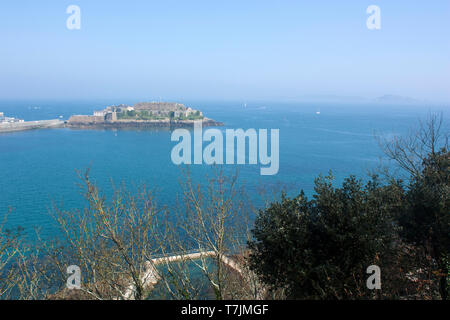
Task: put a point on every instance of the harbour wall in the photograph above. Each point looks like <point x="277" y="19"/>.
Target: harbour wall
<point x="30" y="125"/>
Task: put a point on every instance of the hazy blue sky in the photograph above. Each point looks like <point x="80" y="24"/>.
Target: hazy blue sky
<point x="214" y="49"/>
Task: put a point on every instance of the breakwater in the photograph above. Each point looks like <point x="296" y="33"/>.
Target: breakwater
<point x="30" y="125"/>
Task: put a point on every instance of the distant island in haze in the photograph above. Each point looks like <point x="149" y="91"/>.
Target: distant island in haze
<point x="390" y="98"/>
<point x="385" y="99"/>
<point x="142" y="114"/>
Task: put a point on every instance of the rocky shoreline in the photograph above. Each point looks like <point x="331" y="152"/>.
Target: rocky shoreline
<point x="121" y="124"/>
<point x="142" y="115"/>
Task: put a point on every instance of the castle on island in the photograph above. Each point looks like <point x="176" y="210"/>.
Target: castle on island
<point x="144" y="111"/>
<point x="142" y="114"/>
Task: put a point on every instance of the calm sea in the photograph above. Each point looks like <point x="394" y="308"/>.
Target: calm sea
<point x="38" y="169"/>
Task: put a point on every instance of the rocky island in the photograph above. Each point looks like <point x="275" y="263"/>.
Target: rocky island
<point x="142" y="115"/>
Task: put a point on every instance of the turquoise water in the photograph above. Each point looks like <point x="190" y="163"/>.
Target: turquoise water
<point x="38" y="168"/>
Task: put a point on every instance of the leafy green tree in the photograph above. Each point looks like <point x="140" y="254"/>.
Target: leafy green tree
<point x="143" y="115"/>
<point x="423" y="155"/>
<point x="321" y="248"/>
<point x="427" y="221"/>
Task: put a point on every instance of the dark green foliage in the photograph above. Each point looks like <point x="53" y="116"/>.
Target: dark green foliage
<point x="320" y="249"/>
<point x="426" y="222"/>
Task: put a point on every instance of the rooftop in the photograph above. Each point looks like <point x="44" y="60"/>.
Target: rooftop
<point x="159" y="106"/>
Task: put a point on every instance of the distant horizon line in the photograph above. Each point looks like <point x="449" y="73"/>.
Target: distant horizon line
<point x="329" y="98"/>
